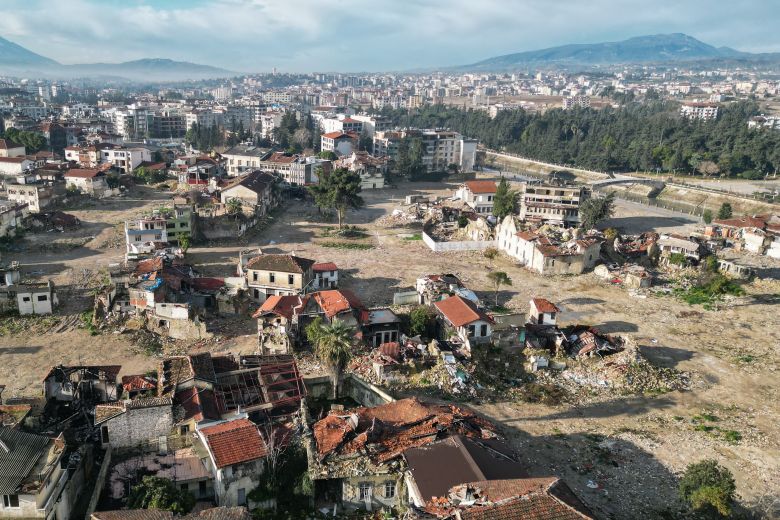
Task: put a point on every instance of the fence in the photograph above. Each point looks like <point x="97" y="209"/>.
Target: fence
<point x="468" y="245"/>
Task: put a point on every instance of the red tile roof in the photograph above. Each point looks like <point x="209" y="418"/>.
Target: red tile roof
<point x="280" y="157"/>
<point x="481" y="186"/>
<point x="207" y="284"/>
<point x="460" y="311"/>
<point x="324" y="266"/>
<point x="544" y="305"/>
<point x="197" y="404"/>
<point x="234" y="442"/>
<point x="339" y="135"/>
<point x="281" y="305"/>
<point x="137" y="382"/>
<point x="336" y="301"/>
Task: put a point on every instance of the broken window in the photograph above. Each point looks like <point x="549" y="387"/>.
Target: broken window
<point x="364" y="489"/>
<point x="42" y="297"/>
<point x="10" y="501"/>
<point x="389" y="489"/>
<point x="290" y="279"/>
<point x="184" y="430"/>
<point x="483" y="330"/>
<point x="272" y="277"/>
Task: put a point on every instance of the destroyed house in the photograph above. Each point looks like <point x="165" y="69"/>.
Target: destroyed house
<point x="34" y="476"/>
<point x="356" y="455"/>
<point x="334" y="305"/>
<point x="129" y="423"/>
<point x="95" y="384"/>
<point x="277" y="321"/>
<point x="213" y="513"/>
<point x="434" y="468"/>
<point x="520" y="498"/>
<point x="208" y="388"/>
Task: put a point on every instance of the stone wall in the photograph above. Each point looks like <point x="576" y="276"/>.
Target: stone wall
<point x="466" y="245"/>
<point x="138" y="425"/>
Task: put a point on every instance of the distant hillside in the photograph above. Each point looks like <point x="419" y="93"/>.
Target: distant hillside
<point x="641" y="49"/>
<point x="15" y="59"/>
<point x="15" y="55"/>
<point x="150" y="69"/>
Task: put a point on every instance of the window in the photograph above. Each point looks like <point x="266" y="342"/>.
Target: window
<point x="389" y="489"/>
<point x="483" y="330"/>
<point x="272" y="277"/>
<point x="138" y="238"/>
<point x="254" y="276"/>
<point x="25" y="298"/>
<point x="185" y="429"/>
<point x="364" y="489"/>
<point x="290" y="279"/>
<point x="11" y="501"/>
<point x="42" y="297"/>
<point x="202" y="488"/>
<point x="241" y="497"/>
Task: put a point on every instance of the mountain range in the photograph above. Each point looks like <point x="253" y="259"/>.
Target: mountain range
<point x="658" y="48"/>
<point x="15" y="59"/>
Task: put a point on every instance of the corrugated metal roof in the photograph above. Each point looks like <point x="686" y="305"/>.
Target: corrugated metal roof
<point x="19" y="453"/>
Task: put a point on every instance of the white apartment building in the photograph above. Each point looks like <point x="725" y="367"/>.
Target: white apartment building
<point x="269" y="121"/>
<point x="144" y="235"/>
<point x="704" y="111"/>
<point x="243" y="158"/>
<point x="341" y="123"/>
<point x="441" y="148"/>
<point x="125" y="159"/>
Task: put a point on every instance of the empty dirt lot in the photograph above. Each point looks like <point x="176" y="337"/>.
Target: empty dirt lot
<point x="620" y="454"/>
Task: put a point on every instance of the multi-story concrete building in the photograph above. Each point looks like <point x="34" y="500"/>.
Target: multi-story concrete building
<point x="699" y="110"/>
<point x="243" y="158"/>
<point x="546" y="204"/>
<point x="145" y="235"/>
<point x="30" y="190"/>
<point x="441" y="148"/>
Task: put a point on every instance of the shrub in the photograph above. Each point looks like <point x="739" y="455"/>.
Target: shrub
<point x="421" y="320"/>
<point x="708" y="486"/>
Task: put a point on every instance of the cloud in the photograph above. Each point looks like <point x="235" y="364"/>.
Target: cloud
<point x="355" y="35"/>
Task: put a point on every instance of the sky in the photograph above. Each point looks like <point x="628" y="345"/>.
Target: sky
<point x="364" y="35"/>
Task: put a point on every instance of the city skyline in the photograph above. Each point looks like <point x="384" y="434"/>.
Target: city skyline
<point x="305" y="35"/>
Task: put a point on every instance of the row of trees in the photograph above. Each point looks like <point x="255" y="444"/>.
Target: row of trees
<point x="647" y="137"/>
<point x="204" y="137"/>
<point x="32" y="141"/>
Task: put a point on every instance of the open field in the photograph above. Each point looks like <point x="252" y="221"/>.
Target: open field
<point x="620" y="455"/>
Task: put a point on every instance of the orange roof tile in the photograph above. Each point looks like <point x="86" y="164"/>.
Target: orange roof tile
<point x="460" y="311"/>
<point x="235" y="442"/>
<point x="481" y="186"/>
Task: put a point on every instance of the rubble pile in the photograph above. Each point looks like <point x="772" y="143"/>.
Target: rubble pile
<point x="402" y="217"/>
<point x="626" y="372"/>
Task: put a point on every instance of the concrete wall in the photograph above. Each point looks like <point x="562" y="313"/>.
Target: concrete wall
<point x="471" y="245"/>
<point x="365" y="393"/>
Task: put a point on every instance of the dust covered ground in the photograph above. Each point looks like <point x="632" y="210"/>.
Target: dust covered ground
<point x="620" y="453"/>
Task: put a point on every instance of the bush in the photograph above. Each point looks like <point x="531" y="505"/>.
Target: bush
<point x="160" y="493"/>
<point x="421" y="320"/>
<point x="708" y="487"/>
<point x="463" y="221"/>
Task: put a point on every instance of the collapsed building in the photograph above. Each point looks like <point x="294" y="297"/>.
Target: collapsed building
<point x="548" y="250"/>
<point x="355" y="457"/>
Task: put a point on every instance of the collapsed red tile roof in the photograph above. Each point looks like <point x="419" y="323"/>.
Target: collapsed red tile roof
<point x="393" y="428"/>
<point x="460" y="311"/>
<point x="132" y="383"/>
<point x="336" y="301"/>
<point x="281" y="305"/>
<point x="544" y="305"/>
<point x="234" y="442"/>
<point x="207" y="284"/>
<point x="481" y="186"/>
<point x="198" y="404"/>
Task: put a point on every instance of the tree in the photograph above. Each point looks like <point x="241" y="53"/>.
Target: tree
<point x="420" y="320"/>
<point x="596" y="209"/>
<point x="340" y="191"/>
<point x="708" y="486"/>
<point x="725" y="211"/>
<point x="184" y="241"/>
<point x="312" y="330"/>
<point x="327" y="155"/>
<point x="160" y="493"/>
<point x="334" y="348"/>
<point x="366" y="141"/>
<point x="499" y="278"/>
<point x="707" y="216"/>
<point x="708" y="168"/>
<point x="234" y="206"/>
<point x="505" y="200"/>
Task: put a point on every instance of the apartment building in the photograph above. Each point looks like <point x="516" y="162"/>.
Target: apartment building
<point x="545" y="204"/>
<point x="145" y="235"/>
<point x="30" y="190"/>
<point x="340" y="143"/>
<point x="244" y="158"/>
<point x="441" y="148"/>
<point x="703" y="111"/>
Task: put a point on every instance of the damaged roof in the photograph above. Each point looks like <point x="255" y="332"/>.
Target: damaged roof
<point x="19" y="452"/>
<point x="212" y="513"/>
<point x="197" y="404"/>
<point x="281" y="305"/>
<point x="545" y="305"/>
<point x="336" y="301"/>
<point x="384" y="432"/>
<point x="438" y="466"/>
<point x="280" y="263"/>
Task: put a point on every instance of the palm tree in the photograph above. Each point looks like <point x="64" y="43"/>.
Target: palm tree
<point x="333" y="346"/>
<point x="234" y="206"/>
<point x="499" y="278"/>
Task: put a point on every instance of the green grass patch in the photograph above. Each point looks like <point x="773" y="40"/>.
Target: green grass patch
<point x="347" y="245"/>
<point x="705" y="417"/>
<point x="416" y="236"/>
<point x="731" y="436"/>
<point x="708" y="290"/>
<point x="703" y="428"/>
<point x="746" y="358"/>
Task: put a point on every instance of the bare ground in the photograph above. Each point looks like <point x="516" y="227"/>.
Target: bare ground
<point x="620" y="455"/>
